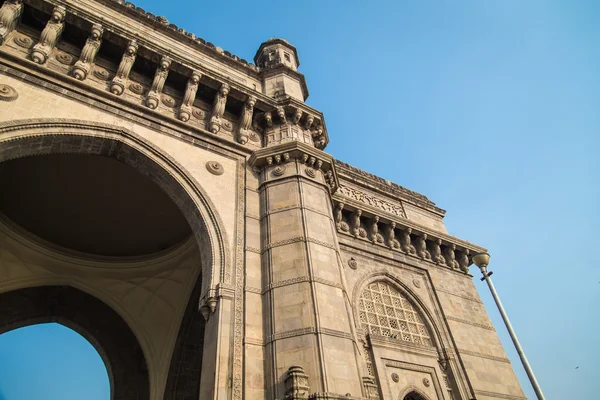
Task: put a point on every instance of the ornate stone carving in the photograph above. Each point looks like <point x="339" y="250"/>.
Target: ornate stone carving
<point x="198" y="114"/>
<point x="310" y="172"/>
<point x="463" y="261"/>
<point x="308" y="123"/>
<point x="136" y="88"/>
<point x="246" y="120"/>
<point x="218" y="108"/>
<point x="390" y="234"/>
<point x="371" y="200"/>
<point x="120" y="80"/>
<point x="436" y="252"/>
<point x="167" y="100"/>
<point x="23" y="41"/>
<point x="355" y="223"/>
<point x="281" y="114"/>
<point x="374" y="229"/>
<point x="405" y="243"/>
<point x="426" y="382"/>
<point x="185" y="111"/>
<point x="417" y="283"/>
<point x="268" y="119"/>
<point x="9" y="17"/>
<point x="344" y="227"/>
<point x="159" y="82"/>
<point x="101" y="74"/>
<point x="215" y="168"/>
<point x="338" y="215"/>
<point x="279" y="170"/>
<point x="395" y="377"/>
<point x="297" y="116"/>
<point x="450" y="256"/>
<point x="352" y="263"/>
<point x="8" y="93"/>
<point x="421" y="247"/>
<point x="319" y="140"/>
<point x="370" y="387"/>
<point x="49" y="35"/>
<point x="88" y="54"/>
<point x="296" y="384"/>
<point x="64" y="58"/>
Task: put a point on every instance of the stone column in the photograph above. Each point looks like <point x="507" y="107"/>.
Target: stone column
<point x="307" y="319"/>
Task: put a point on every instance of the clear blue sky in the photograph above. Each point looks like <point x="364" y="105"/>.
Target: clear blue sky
<point x="490" y="108"/>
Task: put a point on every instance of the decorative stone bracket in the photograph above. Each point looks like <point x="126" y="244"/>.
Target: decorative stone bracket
<point x="402" y="235"/>
<point x="315" y="160"/>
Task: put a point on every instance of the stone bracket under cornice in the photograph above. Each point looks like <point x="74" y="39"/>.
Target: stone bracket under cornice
<point x="380" y="228"/>
<point x="315" y="159"/>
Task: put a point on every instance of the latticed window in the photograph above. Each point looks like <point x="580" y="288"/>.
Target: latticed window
<point x="383" y="311"/>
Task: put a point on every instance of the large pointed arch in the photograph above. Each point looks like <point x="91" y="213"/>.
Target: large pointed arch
<point x="54" y="136"/>
<point x="413" y="390"/>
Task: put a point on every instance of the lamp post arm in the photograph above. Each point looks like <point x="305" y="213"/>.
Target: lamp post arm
<point x="536" y="387"/>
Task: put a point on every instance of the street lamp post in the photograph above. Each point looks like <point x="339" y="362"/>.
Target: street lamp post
<point x="482" y="260"/>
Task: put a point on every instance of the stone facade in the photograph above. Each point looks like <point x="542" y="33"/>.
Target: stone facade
<point x="303" y="277"/>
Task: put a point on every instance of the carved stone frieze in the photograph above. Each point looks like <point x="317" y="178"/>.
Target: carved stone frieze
<point x="372" y="200"/>
<point x="49" y="35"/>
<point x="296" y="384"/>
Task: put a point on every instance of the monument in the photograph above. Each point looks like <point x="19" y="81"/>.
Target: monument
<point x="175" y="204"/>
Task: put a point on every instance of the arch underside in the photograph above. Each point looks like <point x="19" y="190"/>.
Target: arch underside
<point x="39" y="137"/>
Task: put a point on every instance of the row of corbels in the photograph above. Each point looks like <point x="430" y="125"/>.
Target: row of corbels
<point x="402" y="239"/>
<point x="312" y="163"/>
<point x="292" y="116"/>
<point x="12" y="10"/>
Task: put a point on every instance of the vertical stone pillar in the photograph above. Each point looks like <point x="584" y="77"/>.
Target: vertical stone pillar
<point x="307" y="319"/>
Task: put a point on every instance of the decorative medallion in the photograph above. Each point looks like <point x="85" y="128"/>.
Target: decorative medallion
<point x="417" y="283"/>
<point x="199" y="114"/>
<point x="254" y="137"/>
<point x="379" y="238"/>
<point x="136" y="88"/>
<point x="395" y="377"/>
<point x="64" y="58"/>
<point x="278" y="170"/>
<point x="227" y="125"/>
<point x="215" y="167"/>
<point x="23" y="41"/>
<point x="352" y="263"/>
<point x="168" y="101"/>
<point x="8" y="93"/>
<point x="310" y="172"/>
<point x="362" y="232"/>
<point x="426" y="382"/>
<point x="101" y="74"/>
<point x="344" y="226"/>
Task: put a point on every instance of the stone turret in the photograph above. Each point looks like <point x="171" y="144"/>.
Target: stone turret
<point x="279" y="62"/>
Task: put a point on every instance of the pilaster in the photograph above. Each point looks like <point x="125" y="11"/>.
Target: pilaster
<point x="308" y="322"/>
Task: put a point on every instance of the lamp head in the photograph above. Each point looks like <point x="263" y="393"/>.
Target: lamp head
<point x="481" y="259"/>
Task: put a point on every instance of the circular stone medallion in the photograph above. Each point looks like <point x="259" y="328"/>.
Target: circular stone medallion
<point x="215" y="167"/>
<point x="8" y="93"/>
<point x="395" y="377"/>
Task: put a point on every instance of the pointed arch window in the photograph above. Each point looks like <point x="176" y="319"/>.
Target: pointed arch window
<point x="384" y="311"/>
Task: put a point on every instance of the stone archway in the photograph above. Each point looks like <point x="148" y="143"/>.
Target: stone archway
<point x="60" y="136"/>
<point x="44" y="137"/>
<point x="94" y="320"/>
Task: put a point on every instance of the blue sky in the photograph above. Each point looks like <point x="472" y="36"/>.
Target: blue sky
<point x="490" y="108"/>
